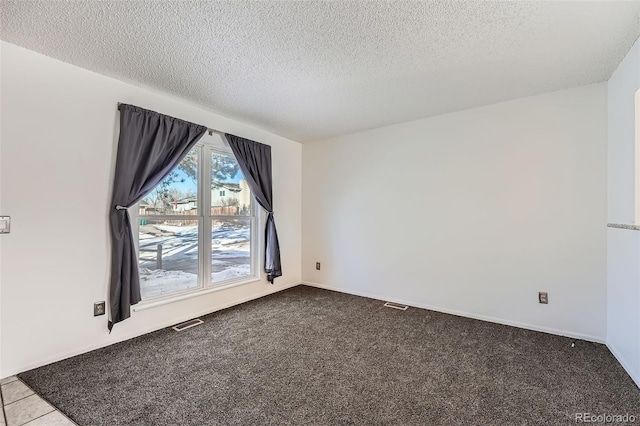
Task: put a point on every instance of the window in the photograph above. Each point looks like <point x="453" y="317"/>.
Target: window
<point x="192" y="235"/>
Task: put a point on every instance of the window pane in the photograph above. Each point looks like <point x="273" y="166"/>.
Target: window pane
<point x="168" y="256"/>
<point x="230" y="249"/>
<point x="176" y="194"/>
<point x="230" y="194"/>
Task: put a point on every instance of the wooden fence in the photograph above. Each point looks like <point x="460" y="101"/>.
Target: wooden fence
<point x="215" y="211"/>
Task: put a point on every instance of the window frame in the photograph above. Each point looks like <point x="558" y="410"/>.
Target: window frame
<point x="205" y="148"/>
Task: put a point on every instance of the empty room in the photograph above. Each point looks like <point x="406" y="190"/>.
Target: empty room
<point x="319" y="212"/>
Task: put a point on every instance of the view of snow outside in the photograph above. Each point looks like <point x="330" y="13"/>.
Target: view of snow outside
<point x="174" y="266"/>
<point x="169" y="248"/>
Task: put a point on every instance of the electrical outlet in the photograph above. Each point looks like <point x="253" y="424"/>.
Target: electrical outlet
<point x="543" y="297"/>
<point x="5" y="224"/>
<point x="318" y="266"/>
<point x="98" y="309"/>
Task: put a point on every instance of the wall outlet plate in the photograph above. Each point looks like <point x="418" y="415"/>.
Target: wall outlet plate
<point x="318" y="266"/>
<point x="98" y="309"/>
<point x="5" y="224"/>
<point x="543" y="297"/>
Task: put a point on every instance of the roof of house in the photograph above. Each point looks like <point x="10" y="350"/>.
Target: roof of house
<point x="226" y="185"/>
<point x="187" y="200"/>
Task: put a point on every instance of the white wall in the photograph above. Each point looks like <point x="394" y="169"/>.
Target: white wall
<point x="621" y="89"/>
<point x="512" y="202"/>
<point x="623" y="246"/>
<point x="59" y="126"/>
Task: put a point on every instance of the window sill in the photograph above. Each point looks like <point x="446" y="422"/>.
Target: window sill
<point x="142" y="306"/>
<point x="624" y="226"/>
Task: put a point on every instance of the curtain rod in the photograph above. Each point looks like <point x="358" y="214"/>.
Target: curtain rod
<point x="209" y="129"/>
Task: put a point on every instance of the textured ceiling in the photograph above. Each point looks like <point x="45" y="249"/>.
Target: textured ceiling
<point x="314" y="69"/>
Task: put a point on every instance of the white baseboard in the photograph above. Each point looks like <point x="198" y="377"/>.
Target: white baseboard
<point x="526" y="326"/>
<point x="173" y="321"/>
<point x="580" y="336"/>
<point x="624" y="364"/>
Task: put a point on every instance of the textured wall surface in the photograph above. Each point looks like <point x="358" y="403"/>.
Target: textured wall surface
<point x="312" y="70"/>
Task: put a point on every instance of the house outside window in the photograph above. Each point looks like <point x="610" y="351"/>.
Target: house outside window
<point x="196" y="229"/>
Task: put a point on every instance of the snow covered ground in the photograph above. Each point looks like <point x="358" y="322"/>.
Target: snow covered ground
<point x="230" y="257"/>
<point x="159" y="282"/>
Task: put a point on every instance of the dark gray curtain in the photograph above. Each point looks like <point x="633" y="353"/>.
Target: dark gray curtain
<point x="255" y="161"/>
<point x="149" y="147"/>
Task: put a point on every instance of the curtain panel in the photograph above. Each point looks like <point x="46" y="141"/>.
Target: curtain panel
<point x="149" y="147"/>
<point x="255" y="162"/>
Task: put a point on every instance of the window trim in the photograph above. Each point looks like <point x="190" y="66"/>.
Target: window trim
<point x="188" y="294"/>
<point x="204" y="217"/>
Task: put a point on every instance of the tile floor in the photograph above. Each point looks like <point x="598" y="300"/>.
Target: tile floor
<point x="21" y="406"/>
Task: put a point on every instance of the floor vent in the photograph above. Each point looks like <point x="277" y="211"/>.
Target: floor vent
<point x="396" y="306"/>
<point x="188" y="324"/>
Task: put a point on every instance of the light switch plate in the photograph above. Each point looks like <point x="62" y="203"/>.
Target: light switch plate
<point x="5" y="224"/>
